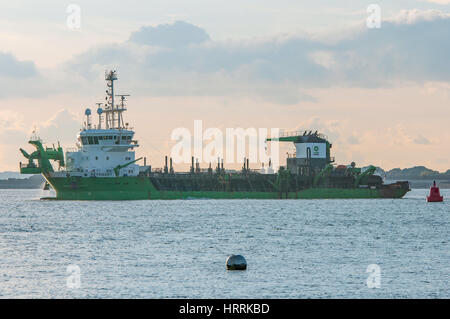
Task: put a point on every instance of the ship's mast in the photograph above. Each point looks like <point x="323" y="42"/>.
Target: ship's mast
<point x="121" y="109"/>
<point x="110" y="77"/>
<point x="113" y="113"/>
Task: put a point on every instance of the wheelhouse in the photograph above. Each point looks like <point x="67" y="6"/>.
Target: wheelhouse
<point x="105" y="137"/>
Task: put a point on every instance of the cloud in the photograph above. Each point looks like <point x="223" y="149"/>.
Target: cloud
<point x="422" y="140"/>
<point x="353" y="140"/>
<point x="10" y="67"/>
<point x="13" y="137"/>
<point x="180" y="59"/>
<point x="443" y="2"/>
<point x="62" y="127"/>
<point x="407" y="48"/>
<point x="330" y="128"/>
<point x="15" y="133"/>
<point x="11" y="120"/>
<point x="415" y="16"/>
<point x="12" y="127"/>
<point x="179" y="34"/>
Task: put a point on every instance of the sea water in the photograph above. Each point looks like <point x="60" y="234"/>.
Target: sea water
<point x="374" y="248"/>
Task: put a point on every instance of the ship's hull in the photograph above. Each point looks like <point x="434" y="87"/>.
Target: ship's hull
<point x="141" y="188"/>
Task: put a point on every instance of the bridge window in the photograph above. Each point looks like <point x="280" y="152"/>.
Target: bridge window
<point x="93" y="140"/>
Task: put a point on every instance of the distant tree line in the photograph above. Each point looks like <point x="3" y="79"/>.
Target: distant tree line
<point x="416" y="172"/>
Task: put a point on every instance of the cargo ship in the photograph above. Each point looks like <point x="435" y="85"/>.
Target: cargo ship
<point x="103" y="167"/>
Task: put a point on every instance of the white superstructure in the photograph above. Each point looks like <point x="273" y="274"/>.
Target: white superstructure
<point x="107" y="149"/>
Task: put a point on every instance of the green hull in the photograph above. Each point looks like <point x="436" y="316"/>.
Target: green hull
<point x="140" y="188"/>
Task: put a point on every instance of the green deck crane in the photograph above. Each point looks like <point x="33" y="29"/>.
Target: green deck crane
<point x="43" y="157"/>
<point x="364" y="175"/>
<point x="119" y="167"/>
<point x="323" y="173"/>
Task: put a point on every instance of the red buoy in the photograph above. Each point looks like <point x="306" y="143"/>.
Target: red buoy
<point x="434" y="196"/>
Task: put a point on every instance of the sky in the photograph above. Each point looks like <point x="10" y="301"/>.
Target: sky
<point x="381" y="95"/>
